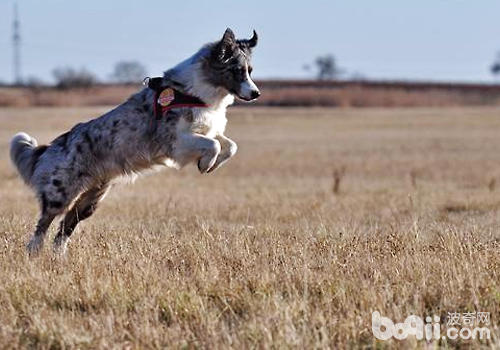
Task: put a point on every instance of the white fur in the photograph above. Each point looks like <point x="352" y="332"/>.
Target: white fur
<point x="22" y="146"/>
<point x="248" y="87"/>
<point x="200" y="138"/>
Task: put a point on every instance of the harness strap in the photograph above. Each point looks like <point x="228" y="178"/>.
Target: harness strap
<point x="167" y="98"/>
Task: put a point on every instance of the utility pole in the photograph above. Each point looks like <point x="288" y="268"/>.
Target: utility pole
<point x="16" y="45"/>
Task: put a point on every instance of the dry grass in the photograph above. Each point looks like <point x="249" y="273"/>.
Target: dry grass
<point x="283" y="94"/>
<point x="52" y="97"/>
<point x="263" y="254"/>
<point x="365" y="96"/>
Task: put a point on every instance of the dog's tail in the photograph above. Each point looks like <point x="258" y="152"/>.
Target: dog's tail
<point x="24" y="152"/>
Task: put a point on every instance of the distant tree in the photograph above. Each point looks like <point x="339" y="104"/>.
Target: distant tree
<point x="495" y="67"/>
<point x="357" y="76"/>
<point x="326" y="68"/>
<point x="127" y="72"/>
<point x="35" y="84"/>
<point x="68" y="78"/>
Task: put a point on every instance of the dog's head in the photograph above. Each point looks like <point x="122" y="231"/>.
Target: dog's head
<point x="228" y="66"/>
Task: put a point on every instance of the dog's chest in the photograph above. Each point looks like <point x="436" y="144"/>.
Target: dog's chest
<point x="208" y="122"/>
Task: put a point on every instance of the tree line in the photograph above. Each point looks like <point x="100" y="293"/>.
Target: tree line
<point x="324" y="67"/>
<point x="124" y="72"/>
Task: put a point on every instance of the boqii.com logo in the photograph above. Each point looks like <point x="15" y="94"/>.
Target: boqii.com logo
<point x="468" y="325"/>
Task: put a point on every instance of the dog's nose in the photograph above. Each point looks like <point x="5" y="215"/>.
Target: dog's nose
<point x="255" y="94"/>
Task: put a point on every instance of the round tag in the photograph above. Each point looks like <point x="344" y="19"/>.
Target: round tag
<point x="166" y="97"/>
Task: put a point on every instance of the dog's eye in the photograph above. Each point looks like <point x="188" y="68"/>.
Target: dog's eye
<point x="239" y="72"/>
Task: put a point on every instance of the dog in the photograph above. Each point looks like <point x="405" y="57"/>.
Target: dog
<point x="74" y="172"/>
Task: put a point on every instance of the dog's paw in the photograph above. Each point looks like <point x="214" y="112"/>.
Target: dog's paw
<point x="60" y="244"/>
<point x="209" y="156"/>
<point x="35" y="245"/>
<point x="203" y="167"/>
<point x="214" y="167"/>
<point x="206" y="163"/>
<point x="221" y="159"/>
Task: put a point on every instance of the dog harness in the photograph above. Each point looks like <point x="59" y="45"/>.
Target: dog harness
<point x="166" y="97"/>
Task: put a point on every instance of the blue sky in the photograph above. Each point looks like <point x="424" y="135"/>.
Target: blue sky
<point x="386" y="39"/>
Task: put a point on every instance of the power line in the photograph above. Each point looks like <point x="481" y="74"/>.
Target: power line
<point x="16" y="45"/>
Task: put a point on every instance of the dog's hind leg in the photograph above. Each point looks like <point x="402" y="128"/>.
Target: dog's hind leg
<point x="83" y="208"/>
<point x="36" y="242"/>
<point x="49" y="210"/>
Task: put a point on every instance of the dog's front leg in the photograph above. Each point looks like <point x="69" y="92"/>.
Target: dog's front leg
<point x="195" y="147"/>
<point x="228" y="149"/>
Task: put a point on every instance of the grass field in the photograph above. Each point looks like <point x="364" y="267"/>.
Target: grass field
<point x="324" y="216"/>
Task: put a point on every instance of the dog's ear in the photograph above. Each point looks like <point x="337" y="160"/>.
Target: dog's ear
<point x="252" y="42"/>
<point x="225" y="48"/>
<point x="249" y="44"/>
<point x="228" y="38"/>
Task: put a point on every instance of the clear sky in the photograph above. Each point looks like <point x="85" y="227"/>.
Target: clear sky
<point x="387" y="39"/>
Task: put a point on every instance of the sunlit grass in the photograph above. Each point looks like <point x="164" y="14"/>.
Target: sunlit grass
<point x="323" y="217"/>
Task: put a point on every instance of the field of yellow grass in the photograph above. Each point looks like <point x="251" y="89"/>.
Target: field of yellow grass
<point x="324" y="216"/>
